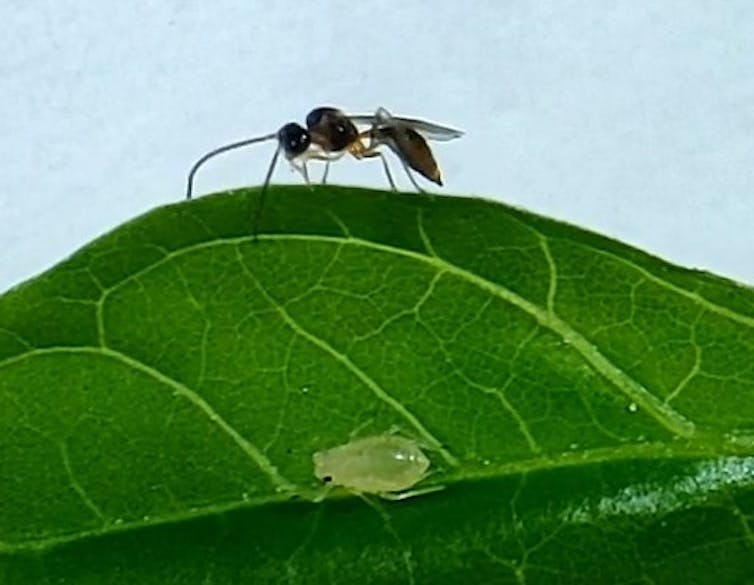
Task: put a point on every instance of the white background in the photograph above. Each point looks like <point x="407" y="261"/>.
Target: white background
<point x="635" y="119"/>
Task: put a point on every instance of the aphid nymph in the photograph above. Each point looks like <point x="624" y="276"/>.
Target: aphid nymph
<point x="380" y="464"/>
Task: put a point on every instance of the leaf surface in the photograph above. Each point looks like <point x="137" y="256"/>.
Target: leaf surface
<point x="589" y="409"/>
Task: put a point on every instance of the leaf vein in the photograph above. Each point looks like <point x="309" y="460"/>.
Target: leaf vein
<point x="346" y="362"/>
<point x="180" y="389"/>
<point x="663" y="413"/>
<point x="697" y="298"/>
<point x="701" y="300"/>
<point x="246" y="446"/>
<point x="552" y="288"/>
<point x="644" y="451"/>
<point x="636" y="392"/>
<point x="77" y="487"/>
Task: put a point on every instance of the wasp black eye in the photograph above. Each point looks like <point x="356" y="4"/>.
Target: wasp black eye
<point x="294" y="139"/>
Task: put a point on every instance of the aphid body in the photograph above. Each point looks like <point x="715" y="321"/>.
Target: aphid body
<point x="377" y="464"/>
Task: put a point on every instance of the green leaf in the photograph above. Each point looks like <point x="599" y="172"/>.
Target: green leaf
<point x="588" y="408"/>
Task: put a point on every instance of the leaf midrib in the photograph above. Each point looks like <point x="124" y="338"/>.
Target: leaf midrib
<point x="630" y="452"/>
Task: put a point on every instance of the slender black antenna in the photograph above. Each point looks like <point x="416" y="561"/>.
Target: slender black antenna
<point x="262" y="193"/>
<point x="219" y="150"/>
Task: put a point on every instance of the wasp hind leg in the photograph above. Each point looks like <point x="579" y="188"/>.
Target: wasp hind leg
<point x="376" y="153"/>
<point x="413" y="180"/>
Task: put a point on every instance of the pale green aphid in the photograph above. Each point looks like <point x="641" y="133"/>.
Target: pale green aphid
<point x="381" y="464"/>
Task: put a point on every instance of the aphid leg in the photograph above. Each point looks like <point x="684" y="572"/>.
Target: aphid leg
<point x="394" y="430"/>
<point x="398" y="496"/>
<point x="357" y="431"/>
<point x="262" y="193"/>
<point x="322" y="493"/>
<point x="327" y="170"/>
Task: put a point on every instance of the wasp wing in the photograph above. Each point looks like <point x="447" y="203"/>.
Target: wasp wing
<point x="427" y="129"/>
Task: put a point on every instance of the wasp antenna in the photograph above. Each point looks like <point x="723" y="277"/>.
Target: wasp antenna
<point x="263" y="192"/>
<point x="220" y="150"/>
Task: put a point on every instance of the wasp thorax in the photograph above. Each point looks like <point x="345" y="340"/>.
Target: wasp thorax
<point x="331" y="129"/>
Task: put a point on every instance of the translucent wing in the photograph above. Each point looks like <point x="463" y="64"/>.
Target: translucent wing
<point x="429" y="130"/>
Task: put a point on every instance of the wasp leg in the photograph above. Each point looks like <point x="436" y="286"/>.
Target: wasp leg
<point x="327" y="157"/>
<point x="301" y="167"/>
<point x="410" y="176"/>
<point x="371" y="153"/>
